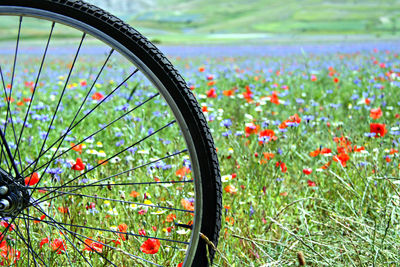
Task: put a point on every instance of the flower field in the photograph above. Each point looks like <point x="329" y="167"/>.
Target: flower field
<point x="307" y="138"/>
<point x="308" y="143"/>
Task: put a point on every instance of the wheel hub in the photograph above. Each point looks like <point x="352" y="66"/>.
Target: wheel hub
<point x="14" y="196"/>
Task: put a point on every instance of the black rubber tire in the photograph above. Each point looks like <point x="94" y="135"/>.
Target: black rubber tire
<point x="179" y="91"/>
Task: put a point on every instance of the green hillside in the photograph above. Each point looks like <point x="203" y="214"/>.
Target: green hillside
<point x="208" y="21"/>
<point x="307" y="17"/>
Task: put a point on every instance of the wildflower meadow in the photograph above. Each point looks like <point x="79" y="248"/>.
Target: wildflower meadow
<point x="308" y="142"/>
<point x="307" y="137"/>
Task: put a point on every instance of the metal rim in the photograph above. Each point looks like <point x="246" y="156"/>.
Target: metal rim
<point x="50" y="16"/>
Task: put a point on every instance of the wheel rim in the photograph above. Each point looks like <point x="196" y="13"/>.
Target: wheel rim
<point x="190" y="252"/>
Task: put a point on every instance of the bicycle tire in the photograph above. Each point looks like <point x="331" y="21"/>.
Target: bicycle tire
<point x="173" y="88"/>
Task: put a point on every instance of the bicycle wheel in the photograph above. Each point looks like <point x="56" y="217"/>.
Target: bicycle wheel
<point x="106" y="158"/>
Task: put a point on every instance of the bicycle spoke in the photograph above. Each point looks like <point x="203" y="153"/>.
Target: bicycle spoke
<point x="115" y="155"/>
<point x="65" y="134"/>
<point x="108" y="230"/>
<point x="118" y="174"/>
<point x="35" y="86"/>
<point x="113" y="200"/>
<point x="113" y="184"/>
<point x="5" y="144"/>
<point x="61" y="97"/>
<point x="29" y="246"/>
<point x="90" y="136"/>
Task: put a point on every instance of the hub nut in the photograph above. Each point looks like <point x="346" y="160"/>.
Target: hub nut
<point x="3" y="190"/>
<point x="4" y="204"/>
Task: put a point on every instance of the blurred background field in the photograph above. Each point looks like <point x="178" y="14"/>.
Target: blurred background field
<point x="252" y="21"/>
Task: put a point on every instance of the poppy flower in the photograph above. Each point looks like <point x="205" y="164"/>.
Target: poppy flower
<point x="63" y="209"/>
<point x="315" y="153"/>
<point x="90" y="245"/>
<point x="211" y="93"/>
<point x="342" y="158"/>
<point x="336" y="80"/>
<point x="6" y="224"/>
<point x="282" y="165"/>
<point x="311" y="183"/>
<point x="313" y="78"/>
<point x="268" y="156"/>
<point x="134" y="194"/>
<point x="122" y="228"/>
<point x="77" y="148"/>
<point x="142" y="232"/>
<point x="187" y="204"/>
<point x="97" y="96"/>
<point x="230" y="189"/>
<point x="150" y="246"/>
<point x="33" y="179"/>
<point x="228" y="92"/>
<point x="274" y="98"/>
<point x="78" y="166"/>
<point x="251" y="128"/>
<point x="171" y="217"/>
<point x="44" y="241"/>
<point x="58" y="245"/>
<point x="378" y="128"/>
<point x="307" y="171"/>
<point x="183" y="172"/>
<point x="375" y="113"/>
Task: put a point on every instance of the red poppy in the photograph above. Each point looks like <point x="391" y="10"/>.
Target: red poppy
<point x="41" y="219"/>
<point x="78" y="166"/>
<point x="33" y="179"/>
<point x="44" y="241"/>
<point x="292" y="119"/>
<point x="171" y="217"/>
<point x="311" y="183"/>
<point x="315" y="153"/>
<point x="313" y="78"/>
<point x="183" y="172"/>
<point x="63" y="209"/>
<point x="251" y="128"/>
<point x="150" y="246"/>
<point x="123" y="228"/>
<point x="367" y="101"/>
<point x="274" y="98"/>
<point x="268" y="156"/>
<point x="378" y="128"/>
<point x="326" y="150"/>
<point x="307" y="171"/>
<point x="228" y="92"/>
<point x="187" y="204"/>
<point x="211" y="93"/>
<point x="358" y="149"/>
<point x="134" y="194"/>
<point x="201" y="69"/>
<point x="6" y="224"/>
<point x="344" y="145"/>
<point x="336" y="80"/>
<point x="58" y="245"/>
<point x="97" y="96"/>
<point x="90" y="245"/>
<point x="375" y="113"/>
<point x="77" y="148"/>
<point x="142" y="232"/>
<point x="342" y="158"/>
<point x="230" y="189"/>
<point x="282" y="165"/>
